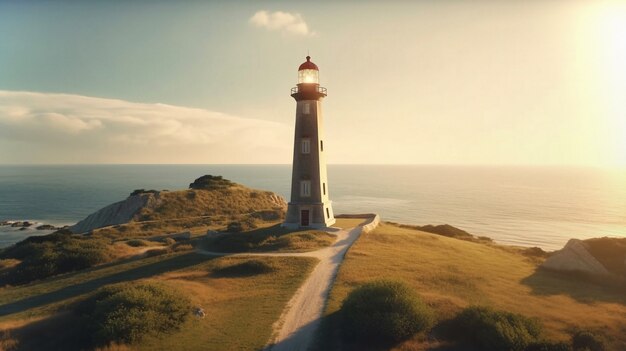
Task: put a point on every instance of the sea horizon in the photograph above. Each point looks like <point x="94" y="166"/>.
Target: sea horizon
<point x="517" y="205"/>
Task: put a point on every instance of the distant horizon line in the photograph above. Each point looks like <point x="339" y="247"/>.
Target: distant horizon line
<point x="618" y="167"/>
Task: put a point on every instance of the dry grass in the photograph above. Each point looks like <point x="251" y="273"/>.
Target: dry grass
<point x="197" y="211"/>
<point x="196" y="226"/>
<point x="240" y="309"/>
<point x="114" y="347"/>
<point x="8" y="263"/>
<point x="7" y="342"/>
<point x="272" y="238"/>
<point x="233" y="200"/>
<point x="345" y="223"/>
<point x="451" y="274"/>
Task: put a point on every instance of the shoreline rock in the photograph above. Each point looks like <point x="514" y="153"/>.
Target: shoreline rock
<point x="116" y="213"/>
<point x="24" y="225"/>
<point x="575" y="257"/>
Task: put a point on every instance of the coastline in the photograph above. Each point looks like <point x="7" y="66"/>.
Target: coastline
<point x="10" y="233"/>
<point x="513" y="205"/>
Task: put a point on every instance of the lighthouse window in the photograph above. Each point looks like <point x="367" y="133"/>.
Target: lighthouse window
<point x="324" y="186"/>
<point x="327" y="213"/>
<point x="306" y="109"/>
<point x="306" y="146"/>
<point x="322" y="145"/>
<point x="305" y="188"/>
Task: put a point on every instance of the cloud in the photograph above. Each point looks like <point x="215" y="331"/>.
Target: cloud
<point x="290" y="23"/>
<point x="63" y="128"/>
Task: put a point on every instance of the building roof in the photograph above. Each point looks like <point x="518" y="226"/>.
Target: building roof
<point x="308" y="65"/>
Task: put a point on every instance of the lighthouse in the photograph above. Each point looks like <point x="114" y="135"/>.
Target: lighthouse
<point x="310" y="205"/>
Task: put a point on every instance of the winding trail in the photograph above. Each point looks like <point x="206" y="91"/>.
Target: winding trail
<point x="295" y="329"/>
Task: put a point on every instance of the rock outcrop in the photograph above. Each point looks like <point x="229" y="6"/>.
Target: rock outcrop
<point x="117" y="213"/>
<point x="575" y="257"/>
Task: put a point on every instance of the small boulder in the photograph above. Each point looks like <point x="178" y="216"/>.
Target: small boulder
<point x="199" y="312"/>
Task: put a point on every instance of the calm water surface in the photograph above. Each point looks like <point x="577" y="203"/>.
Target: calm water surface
<point x="515" y="205"/>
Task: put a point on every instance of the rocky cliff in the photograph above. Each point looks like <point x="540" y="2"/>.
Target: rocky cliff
<point x="116" y="213"/>
<point x="575" y="256"/>
<point x="596" y="257"/>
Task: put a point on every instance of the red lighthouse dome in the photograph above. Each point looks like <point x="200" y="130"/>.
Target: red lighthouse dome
<point x="308" y="73"/>
<point x="308" y="65"/>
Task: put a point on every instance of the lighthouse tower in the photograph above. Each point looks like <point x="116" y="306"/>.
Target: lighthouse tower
<point x="309" y="205"/>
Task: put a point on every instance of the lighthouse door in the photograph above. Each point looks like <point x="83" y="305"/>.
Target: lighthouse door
<point x="304" y="218"/>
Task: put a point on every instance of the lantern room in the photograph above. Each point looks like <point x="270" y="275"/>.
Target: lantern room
<point x="308" y="73"/>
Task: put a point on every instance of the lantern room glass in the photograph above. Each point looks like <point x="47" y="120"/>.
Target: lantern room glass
<point x="308" y="76"/>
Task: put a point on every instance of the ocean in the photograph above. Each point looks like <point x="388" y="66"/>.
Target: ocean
<point x="526" y="206"/>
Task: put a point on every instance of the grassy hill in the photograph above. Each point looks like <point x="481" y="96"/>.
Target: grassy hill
<point x="451" y="274"/>
<point x="198" y="211"/>
<point x="233" y="200"/>
<point x="241" y="303"/>
<point x="211" y="203"/>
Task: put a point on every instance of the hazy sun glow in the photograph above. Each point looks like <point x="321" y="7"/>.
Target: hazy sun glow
<point x="611" y="25"/>
<point x="430" y="82"/>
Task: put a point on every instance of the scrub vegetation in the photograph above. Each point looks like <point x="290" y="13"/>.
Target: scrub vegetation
<point x="487" y="329"/>
<point x="137" y="285"/>
<point x="232" y="200"/>
<point x="273" y="238"/>
<point x="211" y="203"/>
<point x="383" y="311"/>
<point x="45" y="256"/>
<point x="48" y="314"/>
<point x="504" y="289"/>
<point x="128" y="312"/>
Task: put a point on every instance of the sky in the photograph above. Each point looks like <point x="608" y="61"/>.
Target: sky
<point x="423" y="82"/>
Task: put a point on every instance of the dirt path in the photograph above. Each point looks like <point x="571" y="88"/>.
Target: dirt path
<point x="296" y="327"/>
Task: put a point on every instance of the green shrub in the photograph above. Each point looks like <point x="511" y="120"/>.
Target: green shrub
<point x="244" y="269"/>
<point x="548" y="346"/>
<point x="384" y="311"/>
<point x="128" y="312"/>
<point x="136" y="243"/>
<point x="210" y="182"/>
<point x="234" y="227"/>
<point x="586" y="340"/>
<point x="488" y="329"/>
<point x="270" y="239"/>
<point x="57" y="253"/>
